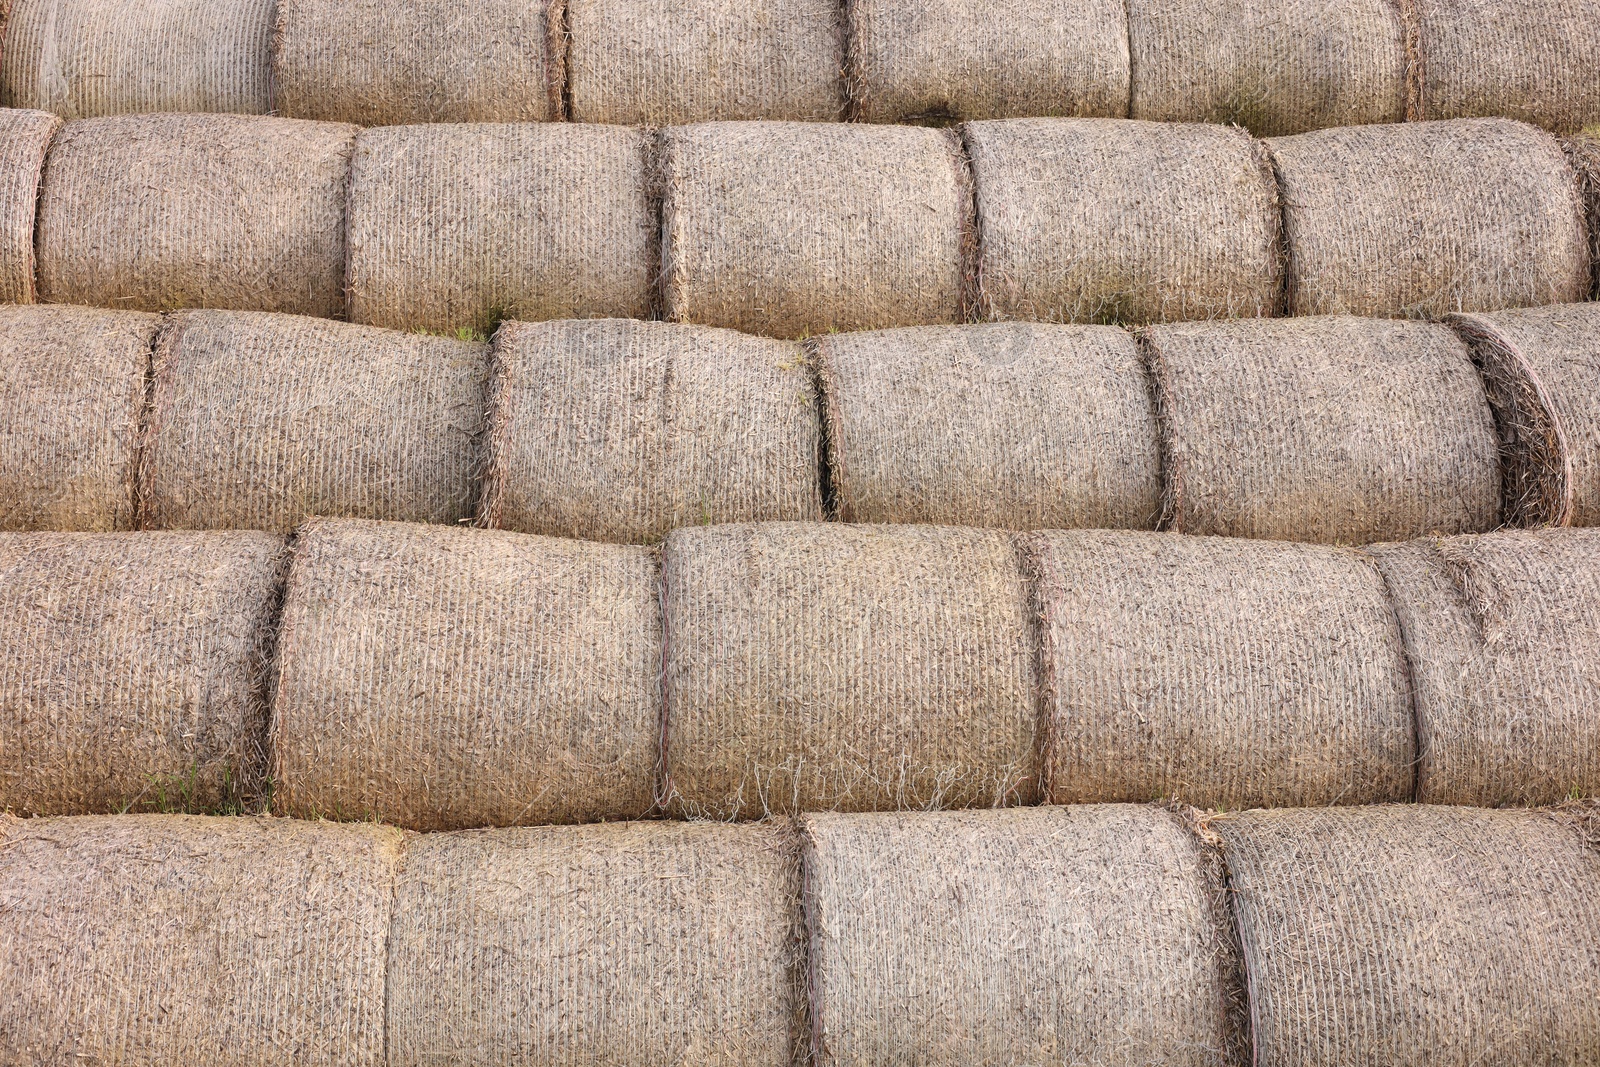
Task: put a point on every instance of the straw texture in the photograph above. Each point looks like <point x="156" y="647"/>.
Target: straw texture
<point x="1224" y="673"/>
<point x="259" y="420"/>
<point x="633" y="943"/>
<point x="440" y="678"/>
<point x="458" y="227"/>
<point x="617" y="430"/>
<point x="1006" y="424"/>
<point x="1583" y="152"/>
<point x="814" y="666"/>
<point x="24" y="139"/>
<point x="789" y="229"/>
<point x="1109" y="220"/>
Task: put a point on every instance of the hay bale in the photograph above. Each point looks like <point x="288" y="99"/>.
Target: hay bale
<point x="789" y="229"/>
<point x="153" y="212"/>
<point x="631" y="943"/>
<point x="683" y="61"/>
<point x="1417" y="936"/>
<point x="458" y="227"/>
<point x="1084" y="935"/>
<point x="966" y="59"/>
<point x="259" y="420"/>
<point x="159" y="939"/>
<point x="1331" y="429"/>
<point x="1008" y="424"/>
<point x="816" y="666"/>
<point x="1501" y="632"/>
<point x="1421" y="219"/>
<point x="1110" y="220"/>
<point x="132" y="669"/>
<point x="71" y="395"/>
<point x="441" y="678"/>
<point x="1225" y="673"/>
<point x="24" y="139"/>
<point x="618" y="430"/>
<point x="1583" y="152"/>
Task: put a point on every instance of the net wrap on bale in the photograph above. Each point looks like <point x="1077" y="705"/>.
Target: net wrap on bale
<point x="24" y="139"/>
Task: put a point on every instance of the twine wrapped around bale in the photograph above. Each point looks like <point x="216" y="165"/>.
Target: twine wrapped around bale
<point x="1009" y="425"/>
<point x="24" y="139"/>
<point x="618" y="430"/>
<point x="817" y="666"/>
<point x="1111" y="220"/>
<point x="259" y="420"/>
<point x="1332" y="429"/>
<point x="441" y="678"/>
<point x="631" y="943"/>
<point x="155" y="940"/>
<point x="132" y="669"/>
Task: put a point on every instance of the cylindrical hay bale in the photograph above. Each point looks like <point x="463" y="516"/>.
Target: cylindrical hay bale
<point x="967" y="59"/>
<point x="624" y="944"/>
<point x="1417" y="936"/>
<point x="150" y="940"/>
<point x="814" y="666"/>
<point x="789" y="229"/>
<point x="1583" y="151"/>
<point x="1084" y="935"/>
<point x="618" y="430"/>
<point x="24" y="139"/>
<point x="154" y="212"/>
<point x="132" y="669"/>
<point x="1331" y="429"/>
<point x="1006" y="424"/>
<point x="1110" y="220"/>
<point x="1225" y="673"/>
<point x="441" y="678"/>
<point x="457" y="227"/>
<point x="258" y="421"/>
<point x="1503" y="635"/>
<point x="672" y="62"/>
<point x="384" y="62"/>
<point x="72" y="386"/>
<point x="1421" y="219"/>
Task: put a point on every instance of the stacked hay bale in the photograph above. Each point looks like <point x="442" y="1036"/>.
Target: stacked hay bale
<point x="24" y="139"/>
<point x="1583" y="151"/>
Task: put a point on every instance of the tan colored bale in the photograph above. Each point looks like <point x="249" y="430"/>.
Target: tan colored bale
<point x="1417" y="936"/>
<point x="623" y="944"/>
<point x="817" y="666"/>
<point x="1583" y="152"/>
<point x="790" y="229"/>
<point x="441" y="678"/>
<point x="151" y="940"/>
<point x="1110" y="220"/>
<point x="1008" y="425"/>
<point x="618" y="430"/>
<point x="24" y="139"/>
<point x="1331" y="429"/>
<point x="71" y="393"/>
<point x="1225" y="673"/>
<point x="1421" y="219"/>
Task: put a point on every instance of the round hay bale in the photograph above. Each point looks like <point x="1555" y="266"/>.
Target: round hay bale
<point x="1225" y="673"/>
<point x="457" y="227"/>
<point x="631" y="943"/>
<point x="1331" y="428"/>
<point x="966" y="59"/>
<point x="72" y="384"/>
<point x="442" y="678"/>
<point x="672" y="62"/>
<point x="259" y="420"/>
<point x="24" y="139"/>
<point x="790" y="229"/>
<point x="1503" y="635"/>
<point x="1421" y="219"/>
<point x="1583" y="152"/>
<point x="132" y="669"/>
<point x="1006" y="424"/>
<point x="817" y="666"/>
<point x="159" y="939"/>
<point x="619" y="430"/>
<point x="1111" y="221"/>
<point x="1084" y="935"/>
<point x="153" y="212"/>
<point x="1417" y="936"/>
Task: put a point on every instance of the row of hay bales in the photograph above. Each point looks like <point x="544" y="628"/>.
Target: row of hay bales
<point x="790" y="229"/>
<point x="1115" y="934"/>
<point x="443" y="678"/>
